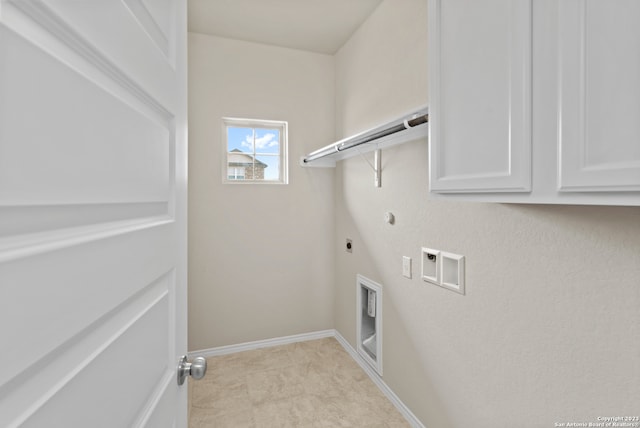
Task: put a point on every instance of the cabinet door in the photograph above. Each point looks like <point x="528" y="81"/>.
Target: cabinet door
<point x="480" y="95"/>
<point x="599" y="95"/>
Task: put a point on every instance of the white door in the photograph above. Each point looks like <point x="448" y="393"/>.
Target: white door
<point x="92" y="212"/>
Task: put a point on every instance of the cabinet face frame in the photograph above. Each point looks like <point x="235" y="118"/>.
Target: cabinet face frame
<point x="514" y="171"/>
<point x="597" y="112"/>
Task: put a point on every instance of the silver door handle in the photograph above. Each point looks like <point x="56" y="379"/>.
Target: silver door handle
<point x="196" y="369"/>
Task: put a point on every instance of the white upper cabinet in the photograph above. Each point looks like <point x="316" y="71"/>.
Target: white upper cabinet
<point x="480" y="90"/>
<point x="599" y="95"/>
<point x="535" y="102"/>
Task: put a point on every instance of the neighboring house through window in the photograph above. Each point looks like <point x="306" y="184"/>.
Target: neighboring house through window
<point x="255" y="151"/>
<point x="242" y="166"/>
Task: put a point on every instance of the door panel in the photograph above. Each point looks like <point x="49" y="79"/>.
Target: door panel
<point x="154" y="17"/>
<point x="480" y="96"/>
<point x="599" y="96"/>
<point x="118" y="352"/>
<point x="92" y="212"/>
<point x="123" y="33"/>
<point x="117" y="153"/>
<point x="102" y="274"/>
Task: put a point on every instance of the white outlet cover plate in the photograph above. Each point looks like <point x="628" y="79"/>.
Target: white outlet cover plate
<point x="452" y="272"/>
<point x="406" y="267"/>
<point x="430" y="268"/>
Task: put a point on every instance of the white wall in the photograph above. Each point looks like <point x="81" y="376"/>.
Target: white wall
<point x="548" y="330"/>
<point x="260" y="261"/>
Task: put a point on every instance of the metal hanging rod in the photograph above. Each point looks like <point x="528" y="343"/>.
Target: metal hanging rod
<point x="368" y="136"/>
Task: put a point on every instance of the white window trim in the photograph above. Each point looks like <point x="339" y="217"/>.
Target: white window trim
<point x="281" y="125"/>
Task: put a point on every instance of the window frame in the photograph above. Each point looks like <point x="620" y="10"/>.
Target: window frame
<point x="280" y="125"/>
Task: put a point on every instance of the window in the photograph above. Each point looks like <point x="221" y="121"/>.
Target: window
<point x="235" y="173"/>
<point x="255" y="151"/>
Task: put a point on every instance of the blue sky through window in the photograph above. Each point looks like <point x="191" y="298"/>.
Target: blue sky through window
<point x="273" y="166"/>
<point x="266" y="150"/>
<point x="266" y="140"/>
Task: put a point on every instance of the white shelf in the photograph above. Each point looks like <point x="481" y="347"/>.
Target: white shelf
<point x="343" y="149"/>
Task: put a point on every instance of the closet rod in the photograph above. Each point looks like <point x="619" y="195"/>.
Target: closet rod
<point x="349" y="143"/>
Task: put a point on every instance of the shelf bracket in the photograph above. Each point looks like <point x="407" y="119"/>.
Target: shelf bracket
<point x="376" y="166"/>
<point x="377" y="161"/>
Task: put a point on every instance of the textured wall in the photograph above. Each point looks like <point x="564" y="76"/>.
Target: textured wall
<point x="548" y="330"/>
<point x="260" y="261"/>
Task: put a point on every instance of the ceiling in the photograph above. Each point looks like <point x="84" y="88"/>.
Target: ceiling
<point x="313" y="25"/>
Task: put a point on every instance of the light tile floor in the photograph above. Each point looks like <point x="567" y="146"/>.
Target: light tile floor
<point x="306" y="384"/>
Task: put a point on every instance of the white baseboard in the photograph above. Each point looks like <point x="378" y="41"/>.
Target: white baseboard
<point x="248" y="346"/>
<point x="404" y="410"/>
